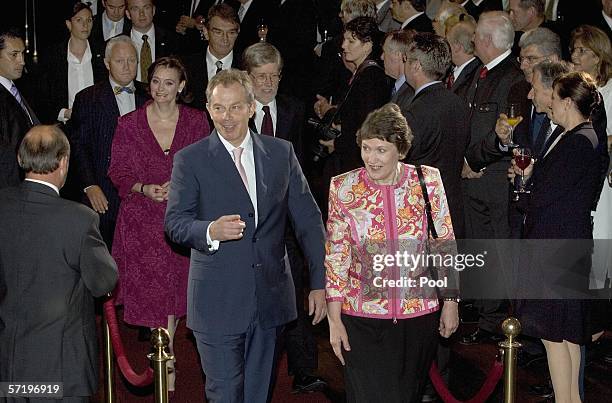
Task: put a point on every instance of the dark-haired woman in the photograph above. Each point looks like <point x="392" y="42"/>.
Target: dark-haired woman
<point x="564" y="185"/>
<point x="368" y="88"/>
<point x="152" y="274"/>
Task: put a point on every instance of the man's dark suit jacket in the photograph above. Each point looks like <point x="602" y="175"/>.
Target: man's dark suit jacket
<point x="486" y="5"/>
<point x="14" y="124"/>
<point x="403" y="97"/>
<point x="94" y="119"/>
<point x="463" y="82"/>
<point x="53" y="263"/>
<point x="439" y="122"/>
<point x="228" y="286"/>
<point x="488" y="98"/>
<point x="289" y="123"/>
<point x="197" y="69"/>
<point x="55" y="75"/>
<point x="385" y="20"/>
<point x="422" y="23"/>
<point x="166" y="42"/>
<point x="259" y="11"/>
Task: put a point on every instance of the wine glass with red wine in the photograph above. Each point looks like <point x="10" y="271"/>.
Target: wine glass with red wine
<point x="522" y="159"/>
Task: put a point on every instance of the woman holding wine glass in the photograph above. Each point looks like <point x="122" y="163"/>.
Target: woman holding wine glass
<point x="563" y="184"/>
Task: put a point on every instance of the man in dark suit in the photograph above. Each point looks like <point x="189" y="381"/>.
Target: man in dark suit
<point x="53" y="263"/>
<point x="486" y="191"/>
<point x="438" y="118"/>
<point x="16" y="116"/>
<point x="527" y="15"/>
<point x="240" y="290"/>
<point x="156" y="41"/>
<point x="411" y="13"/>
<point x="111" y="22"/>
<point x="282" y="116"/>
<point x="221" y="29"/>
<point x="253" y="13"/>
<point x="395" y="45"/>
<point x="460" y="38"/>
<point x="94" y="119"/>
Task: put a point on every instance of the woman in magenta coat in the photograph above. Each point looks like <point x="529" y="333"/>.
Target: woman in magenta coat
<point x="152" y="271"/>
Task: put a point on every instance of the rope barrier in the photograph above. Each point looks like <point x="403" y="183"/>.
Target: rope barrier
<point x="487" y="388"/>
<point x="138" y="380"/>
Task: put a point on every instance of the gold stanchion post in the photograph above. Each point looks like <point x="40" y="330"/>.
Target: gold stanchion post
<point x="109" y="384"/>
<point x="511" y="328"/>
<point x="160" y="339"/>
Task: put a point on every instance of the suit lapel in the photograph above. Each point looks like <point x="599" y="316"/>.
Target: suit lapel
<point x="108" y="98"/>
<point x="262" y="162"/>
<point x="284" y="116"/>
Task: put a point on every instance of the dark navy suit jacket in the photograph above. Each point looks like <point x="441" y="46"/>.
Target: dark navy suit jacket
<point x="247" y="276"/>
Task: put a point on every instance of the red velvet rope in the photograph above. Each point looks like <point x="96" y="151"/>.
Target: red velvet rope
<point x="494" y="375"/>
<point x="138" y="380"/>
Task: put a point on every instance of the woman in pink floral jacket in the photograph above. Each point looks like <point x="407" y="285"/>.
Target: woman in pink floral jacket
<point x="383" y="305"/>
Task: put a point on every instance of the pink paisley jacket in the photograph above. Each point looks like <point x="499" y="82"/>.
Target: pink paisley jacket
<point x="369" y="222"/>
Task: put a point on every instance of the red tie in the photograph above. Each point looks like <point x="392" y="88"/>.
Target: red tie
<point x="483" y="72"/>
<point x="266" y="124"/>
<point x="450" y="81"/>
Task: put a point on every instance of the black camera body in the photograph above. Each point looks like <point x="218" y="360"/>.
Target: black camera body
<point x="323" y="131"/>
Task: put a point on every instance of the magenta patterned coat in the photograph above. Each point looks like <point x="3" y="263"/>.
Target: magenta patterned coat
<point x="152" y="272"/>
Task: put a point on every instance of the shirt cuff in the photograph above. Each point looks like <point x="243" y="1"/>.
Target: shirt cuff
<point x="85" y="189"/>
<point x="212" y="245"/>
<point x="503" y="148"/>
<point x="60" y="116"/>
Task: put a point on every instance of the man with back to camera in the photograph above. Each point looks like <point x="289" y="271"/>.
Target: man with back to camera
<point x="53" y="263"/>
<point x="240" y="291"/>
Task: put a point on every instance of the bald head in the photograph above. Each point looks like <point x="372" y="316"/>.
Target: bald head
<point x="43" y="154"/>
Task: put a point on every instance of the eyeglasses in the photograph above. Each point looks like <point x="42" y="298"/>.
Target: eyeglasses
<point x="529" y="59"/>
<point x="261" y="78"/>
<point x="581" y="50"/>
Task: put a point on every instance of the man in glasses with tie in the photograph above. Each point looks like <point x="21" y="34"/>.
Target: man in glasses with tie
<point x="94" y="118"/>
<point x="220" y="30"/>
<point x="231" y="195"/>
<point x="16" y="116"/>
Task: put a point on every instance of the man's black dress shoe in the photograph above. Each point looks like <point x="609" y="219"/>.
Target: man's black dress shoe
<point x="479" y="336"/>
<point x="308" y="383"/>
<point x="525" y="359"/>
<point x="544" y="390"/>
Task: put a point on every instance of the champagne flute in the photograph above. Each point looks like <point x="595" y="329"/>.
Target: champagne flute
<point x="262" y="31"/>
<point x="514" y="117"/>
<point x="522" y="159"/>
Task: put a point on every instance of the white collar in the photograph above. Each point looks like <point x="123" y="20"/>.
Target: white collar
<point x="72" y="59"/>
<point x="458" y="69"/>
<point x="422" y="87"/>
<point x="226" y="60"/>
<point x="247" y="143"/>
<point x="607" y="18"/>
<point x="6" y="83"/>
<point x="150" y="33"/>
<point x="410" y="19"/>
<point x="259" y="106"/>
<point x="498" y="60"/>
<point x="51" y="185"/>
<point x="114" y="84"/>
<point x="381" y="5"/>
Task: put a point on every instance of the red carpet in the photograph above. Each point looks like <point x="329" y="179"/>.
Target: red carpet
<point x="190" y="379"/>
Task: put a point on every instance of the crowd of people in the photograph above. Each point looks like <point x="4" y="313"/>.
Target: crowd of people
<point x="214" y="141"/>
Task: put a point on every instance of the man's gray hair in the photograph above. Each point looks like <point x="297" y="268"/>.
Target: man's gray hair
<point x="115" y="40"/>
<point x="538" y="5"/>
<point x="547" y="42"/>
<point x="549" y="71"/>
<point x="225" y="78"/>
<point x="259" y="54"/>
<point x="358" y="8"/>
<point x="462" y="34"/>
<point x="498" y="25"/>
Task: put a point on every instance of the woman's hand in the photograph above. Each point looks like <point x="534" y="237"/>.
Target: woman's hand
<point x="517" y="171"/>
<point x="338" y="338"/>
<point x="155" y="192"/>
<point x="449" y="319"/>
<point x="321" y="106"/>
<point x="166" y="190"/>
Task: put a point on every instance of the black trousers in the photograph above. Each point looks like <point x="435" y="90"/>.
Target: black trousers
<point x="388" y="362"/>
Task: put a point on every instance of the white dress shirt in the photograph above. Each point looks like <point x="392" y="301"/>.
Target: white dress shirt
<point x="137" y="39"/>
<point x="111" y="28"/>
<point x="422" y="87"/>
<point x="51" y="185"/>
<point x="80" y="76"/>
<point x="211" y="63"/>
<point x="259" y="114"/>
<point x="248" y="162"/>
